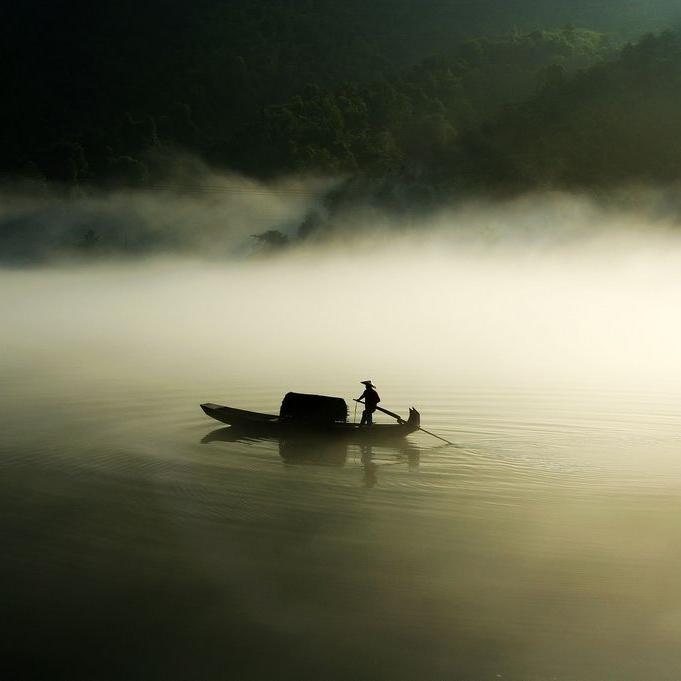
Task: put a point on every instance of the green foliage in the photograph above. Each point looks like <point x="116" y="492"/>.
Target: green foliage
<point x="618" y="121"/>
<point x="413" y="121"/>
<point x="100" y="93"/>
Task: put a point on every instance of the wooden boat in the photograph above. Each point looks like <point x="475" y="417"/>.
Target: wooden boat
<point x="284" y="424"/>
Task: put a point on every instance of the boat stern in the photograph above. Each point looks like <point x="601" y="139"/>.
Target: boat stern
<point x="414" y="418"/>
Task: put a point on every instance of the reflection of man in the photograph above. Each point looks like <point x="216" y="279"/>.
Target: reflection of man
<point x="371" y="399"/>
<point x="370" y="468"/>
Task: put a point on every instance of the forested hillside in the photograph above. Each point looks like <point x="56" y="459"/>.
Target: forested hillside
<point x="94" y="91"/>
<point x="411" y="121"/>
<point x="618" y="122"/>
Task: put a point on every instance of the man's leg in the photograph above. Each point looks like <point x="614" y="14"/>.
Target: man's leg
<point x="365" y="415"/>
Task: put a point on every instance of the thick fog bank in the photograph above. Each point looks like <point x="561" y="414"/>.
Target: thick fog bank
<point x="576" y="295"/>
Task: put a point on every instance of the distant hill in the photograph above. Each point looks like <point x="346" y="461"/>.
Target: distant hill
<point x="617" y="122"/>
<point x="92" y="90"/>
<point x="407" y="122"/>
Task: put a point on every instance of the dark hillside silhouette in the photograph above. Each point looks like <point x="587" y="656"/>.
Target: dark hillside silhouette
<point x="614" y="123"/>
<point x="93" y="92"/>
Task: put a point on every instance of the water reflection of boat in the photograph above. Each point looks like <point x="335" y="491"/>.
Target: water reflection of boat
<point x="292" y="449"/>
<point x="311" y="414"/>
<point x="322" y="451"/>
<point x="313" y="450"/>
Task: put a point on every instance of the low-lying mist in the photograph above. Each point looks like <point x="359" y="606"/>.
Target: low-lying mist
<point x="210" y="216"/>
<point x="201" y="214"/>
<point x="547" y="288"/>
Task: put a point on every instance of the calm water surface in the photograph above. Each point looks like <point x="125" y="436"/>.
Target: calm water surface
<point x="142" y="541"/>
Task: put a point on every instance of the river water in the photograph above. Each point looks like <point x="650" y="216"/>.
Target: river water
<point x="141" y="540"/>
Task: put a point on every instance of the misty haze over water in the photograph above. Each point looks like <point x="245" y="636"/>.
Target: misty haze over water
<point x="542" y="545"/>
<point x="473" y="204"/>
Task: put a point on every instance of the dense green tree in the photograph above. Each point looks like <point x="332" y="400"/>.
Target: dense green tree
<point x="99" y="92"/>
<point x="616" y="122"/>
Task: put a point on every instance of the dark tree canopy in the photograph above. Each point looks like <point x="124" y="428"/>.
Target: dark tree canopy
<point x="99" y="92"/>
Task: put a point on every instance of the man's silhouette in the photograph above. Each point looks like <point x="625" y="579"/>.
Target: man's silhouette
<point x="371" y="399"/>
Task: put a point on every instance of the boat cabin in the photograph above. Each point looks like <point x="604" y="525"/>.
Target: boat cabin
<point x="313" y="409"/>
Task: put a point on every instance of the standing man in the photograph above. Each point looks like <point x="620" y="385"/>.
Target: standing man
<point x="371" y="399"/>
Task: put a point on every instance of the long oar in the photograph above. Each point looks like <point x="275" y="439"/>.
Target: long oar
<point x="401" y="420"/>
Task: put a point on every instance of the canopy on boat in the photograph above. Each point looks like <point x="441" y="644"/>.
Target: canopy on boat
<point x="313" y="408"/>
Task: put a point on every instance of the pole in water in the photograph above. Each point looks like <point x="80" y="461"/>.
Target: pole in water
<point x="437" y="436"/>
